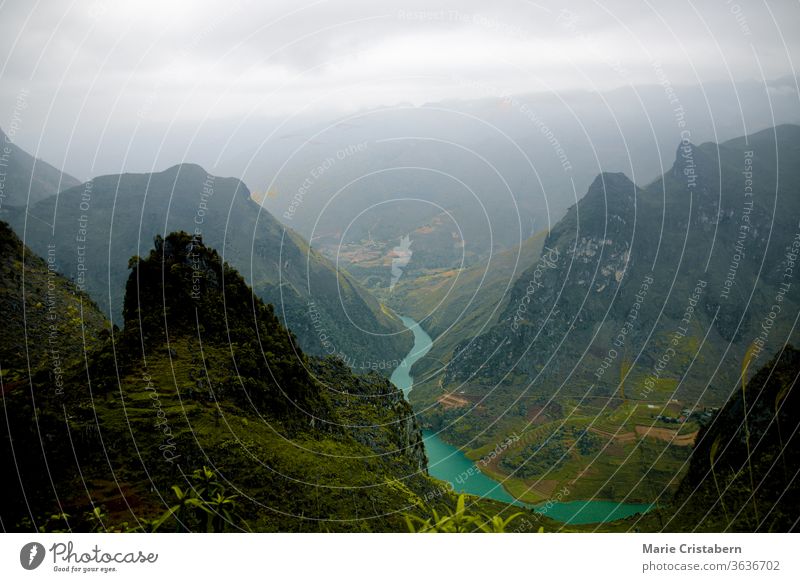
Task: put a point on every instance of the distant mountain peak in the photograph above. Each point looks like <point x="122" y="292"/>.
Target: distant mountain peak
<point x="197" y="172"/>
<point x="186" y="168"/>
<point x="612" y="182"/>
<point x="696" y="167"/>
<point x="611" y="193"/>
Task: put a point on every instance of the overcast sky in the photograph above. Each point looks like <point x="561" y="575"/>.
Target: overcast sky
<point x="107" y="68"/>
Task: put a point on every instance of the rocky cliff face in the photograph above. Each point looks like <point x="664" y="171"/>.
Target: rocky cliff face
<point x="373" y="411"/>
<point x="669" y="285"/>
<point x="720" y="221"/>
<point x="580" y="270"/>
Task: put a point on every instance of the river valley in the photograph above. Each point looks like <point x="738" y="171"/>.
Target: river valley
<point x="450" y="464"/>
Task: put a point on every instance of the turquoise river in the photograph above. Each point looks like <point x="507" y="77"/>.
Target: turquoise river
<point x="448" y="463"/>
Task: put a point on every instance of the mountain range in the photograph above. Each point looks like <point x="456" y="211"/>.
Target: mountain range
<point x="656" y="289"/>
<point x="94" y="228"/>
<point x="152" y="385"/>
<point x="628" y="328"/>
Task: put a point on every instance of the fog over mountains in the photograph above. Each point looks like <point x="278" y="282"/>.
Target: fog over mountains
<point x="506" y="166"/>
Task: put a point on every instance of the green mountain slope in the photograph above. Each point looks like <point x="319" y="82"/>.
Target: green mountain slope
<point x="46" y="318"/>
<point x="27" y="180"/>
<point x="204" y="375"/>
<point x="100" y="224"/>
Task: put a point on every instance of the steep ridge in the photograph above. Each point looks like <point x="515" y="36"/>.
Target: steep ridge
<point x="204" y="374"/>
<point x="578" y="272"/>
<point x="100" y="224"/>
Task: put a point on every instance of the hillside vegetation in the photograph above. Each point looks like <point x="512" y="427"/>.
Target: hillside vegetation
<point x="205" y="394"/>
<point x="47" y="321"/>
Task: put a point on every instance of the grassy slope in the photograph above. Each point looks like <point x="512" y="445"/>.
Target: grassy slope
<point x="462" y="301"/>
<point x="41" y="310"/>
<point x="453" y="305"/>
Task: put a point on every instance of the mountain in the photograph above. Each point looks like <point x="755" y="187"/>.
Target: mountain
<point x="41" y="311"/>
<point x="202" y="415"/>
<point x="742" y="475"/>
<point x="629" y="265"/>
<point x="631" y="324"/>
<point x="27" y="180"/>
<point x="102" y="223"/>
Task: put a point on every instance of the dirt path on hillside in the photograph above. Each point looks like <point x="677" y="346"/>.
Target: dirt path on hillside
<point x="619" y="437"/>
<point x="668" y="435"/>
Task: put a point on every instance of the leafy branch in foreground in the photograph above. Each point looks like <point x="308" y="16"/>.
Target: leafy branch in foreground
<point x="203" y="506"/>
<point x="748" y="358"/>
<point x="459" y="521"/>
<point x="205" y="502"/>
<point x="712" y="458"/>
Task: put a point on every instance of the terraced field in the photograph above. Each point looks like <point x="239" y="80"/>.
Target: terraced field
<point x="618" y="450"/>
